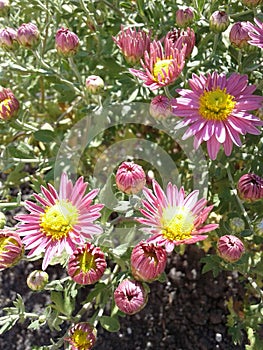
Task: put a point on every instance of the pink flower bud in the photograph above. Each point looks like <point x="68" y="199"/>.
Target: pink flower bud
<point x="238" y="35"/>
<point x="130" y="178"/>
<point x="94" y="84"/>
<point x="160" y="107"/>
<point x="11" y="248"/>
<point x="230" y="248"/>
<point x="252" y="3"/>
<point x="133" y="44"/>
<point x="181" y="38"/>
<point x="219" y="21"/>
<point x="37" y="280"/>
<point x="67" y="42"/>
<point x="8" y="38"/>
<point x="148" y="261"/>
<point x="28" y="35"/>
<point x="130" y="296"/>
<point x="4" y="7"/>
<point x="250" y="187"/>
<point x="9" y="105"/>
<point x="184" y="18"/>
<point x="82" y="336"/>
<point x="87" y="264"/>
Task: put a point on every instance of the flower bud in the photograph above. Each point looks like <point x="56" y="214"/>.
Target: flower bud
<point x="219" y="21"/>
<point x="130" y="297"/>
<point x="37" y="280"/>
<point x="184" y="18"/>
<point x="94" y="84"/>
<point x="237" y="225"/>
<point x="133" y="44"/>
<point x="67" y="42"/>
<point x="2" y="220"/>
<point x="238" y="35"/>
<point x="250" y="187"/>
<point x="11" y="248"/>
<point x="4" y="7"/>
<point x="130" y="178"/>
<point x="160" y="107"/>
<point x="252" y="3"/>
<point x="8" y="39"/>
<point x="230" y="248"/>
<point x="87" y="264"/>
<point x="148" y="261"/>
<point x="82" y="336"/>
<point x="9" y="105"/>
<point x="28" y="35"/>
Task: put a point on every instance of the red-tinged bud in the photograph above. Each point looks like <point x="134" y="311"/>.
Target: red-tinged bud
<point x="94" y="84"/>
<point x="238" y="35"/>
<point x="130" y="178"/>
<point x="67" y="42"/>
<point x="28" y="35"/>
<point x="9" y="105"/>
<point x="230" y="248"/>
<point x="219" y="21"/>
<point x="37" y="280"/>
<point x="82" y="336"/>
<point x="184" y="17"/>
<point x="8" y="39"/>
<point x="160" y="107"/>
<point x="250" y="187"/>
<point x="11" y="248"/>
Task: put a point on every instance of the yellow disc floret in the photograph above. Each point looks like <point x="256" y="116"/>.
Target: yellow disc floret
<point x="86" y="262"/>
<point x="216" y="104"/>
<point x="81" y="340"/>
<point x="159" y="67"/>
<point x="59" y="219"/>
<point x="179" y="226"/>
<point x="5" y="103"/>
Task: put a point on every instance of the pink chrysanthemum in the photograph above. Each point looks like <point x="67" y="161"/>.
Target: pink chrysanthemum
<point x="230" y="248"/>
<point x="82" y="336"/>
<point x="162" y="65"/>
<point x="173" y="217"/>
<point x="63" y="220"/>
<point x="148" y="261"/>
<point x="133" y="43"/>
<point x="255" y="33"/>
<point x="182" y="38"/>
<point x="130" y="296"/>
<point x="87" y="264"/>
<point x="130" y="178"/>
<point x="217" y="111"/>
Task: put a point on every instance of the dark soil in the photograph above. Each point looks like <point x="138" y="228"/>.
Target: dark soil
<point x="186" y="312"/>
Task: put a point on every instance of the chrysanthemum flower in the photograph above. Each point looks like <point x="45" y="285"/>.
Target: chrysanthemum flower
<point x="182" y="38"/>
<point x="162" y="65"/>
<point x="217" y="111"/>
<point x="148" y="261"/>
<point x="8" y="38"/>
<point x="11" y="248"/>
<point x="133" y="43"/>
<point x="130" y="178"/>
<point x="82" y="336"/>
<point x="250" y="187"/>
<point x="173" y="217"/>
<point x="160" y="107"/>
<point x="66" y="42"/>
<point x="130" y="296"/>
<point x="230" y="248"/>
<point x="37" y="280"/>
<point x="238" y="35"/>
<point x="63" y="220"/>
<point x="87" y="264"/>
<point x="28" y="35"/>
<point x="255" y="33"/>
<point x="9" y="105"/>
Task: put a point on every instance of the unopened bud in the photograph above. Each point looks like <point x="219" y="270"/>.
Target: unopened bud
<point x="230" y="248"/>
<point x="28" y="35"/>
<point x="94" y="84"/>
<point x="37" y="280"/>
<point x="219" y="21"/>
<point x="67" y="42"/>
<point x="184" y="17"/>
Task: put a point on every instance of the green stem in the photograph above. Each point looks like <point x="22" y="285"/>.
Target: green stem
<point x="75" y="70"/>
<point x="167" y="92"/>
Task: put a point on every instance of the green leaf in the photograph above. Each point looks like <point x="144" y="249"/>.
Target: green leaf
<point x="45" y="136"/>
<point x="111" y="324"/>
<point x="212" y="263"/>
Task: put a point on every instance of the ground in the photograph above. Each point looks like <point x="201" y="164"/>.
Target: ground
<point x="186" y="312"/>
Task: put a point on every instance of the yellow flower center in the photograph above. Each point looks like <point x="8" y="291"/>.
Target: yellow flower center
<point x="216" y="104"/>
<point x="159" y="67"/>
<point x="5" y="103"/>
<point x="59" y="219"/>
<point x="179" y="225"/>
<point x="5" y="242"/>
<point x="87" y="262"/>
<point x="81" y="340"/>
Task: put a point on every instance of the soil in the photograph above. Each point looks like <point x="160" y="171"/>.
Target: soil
<point x="186" y="312"/>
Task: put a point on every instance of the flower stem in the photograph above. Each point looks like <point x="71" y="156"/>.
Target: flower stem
<point x="167" y="92"/>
